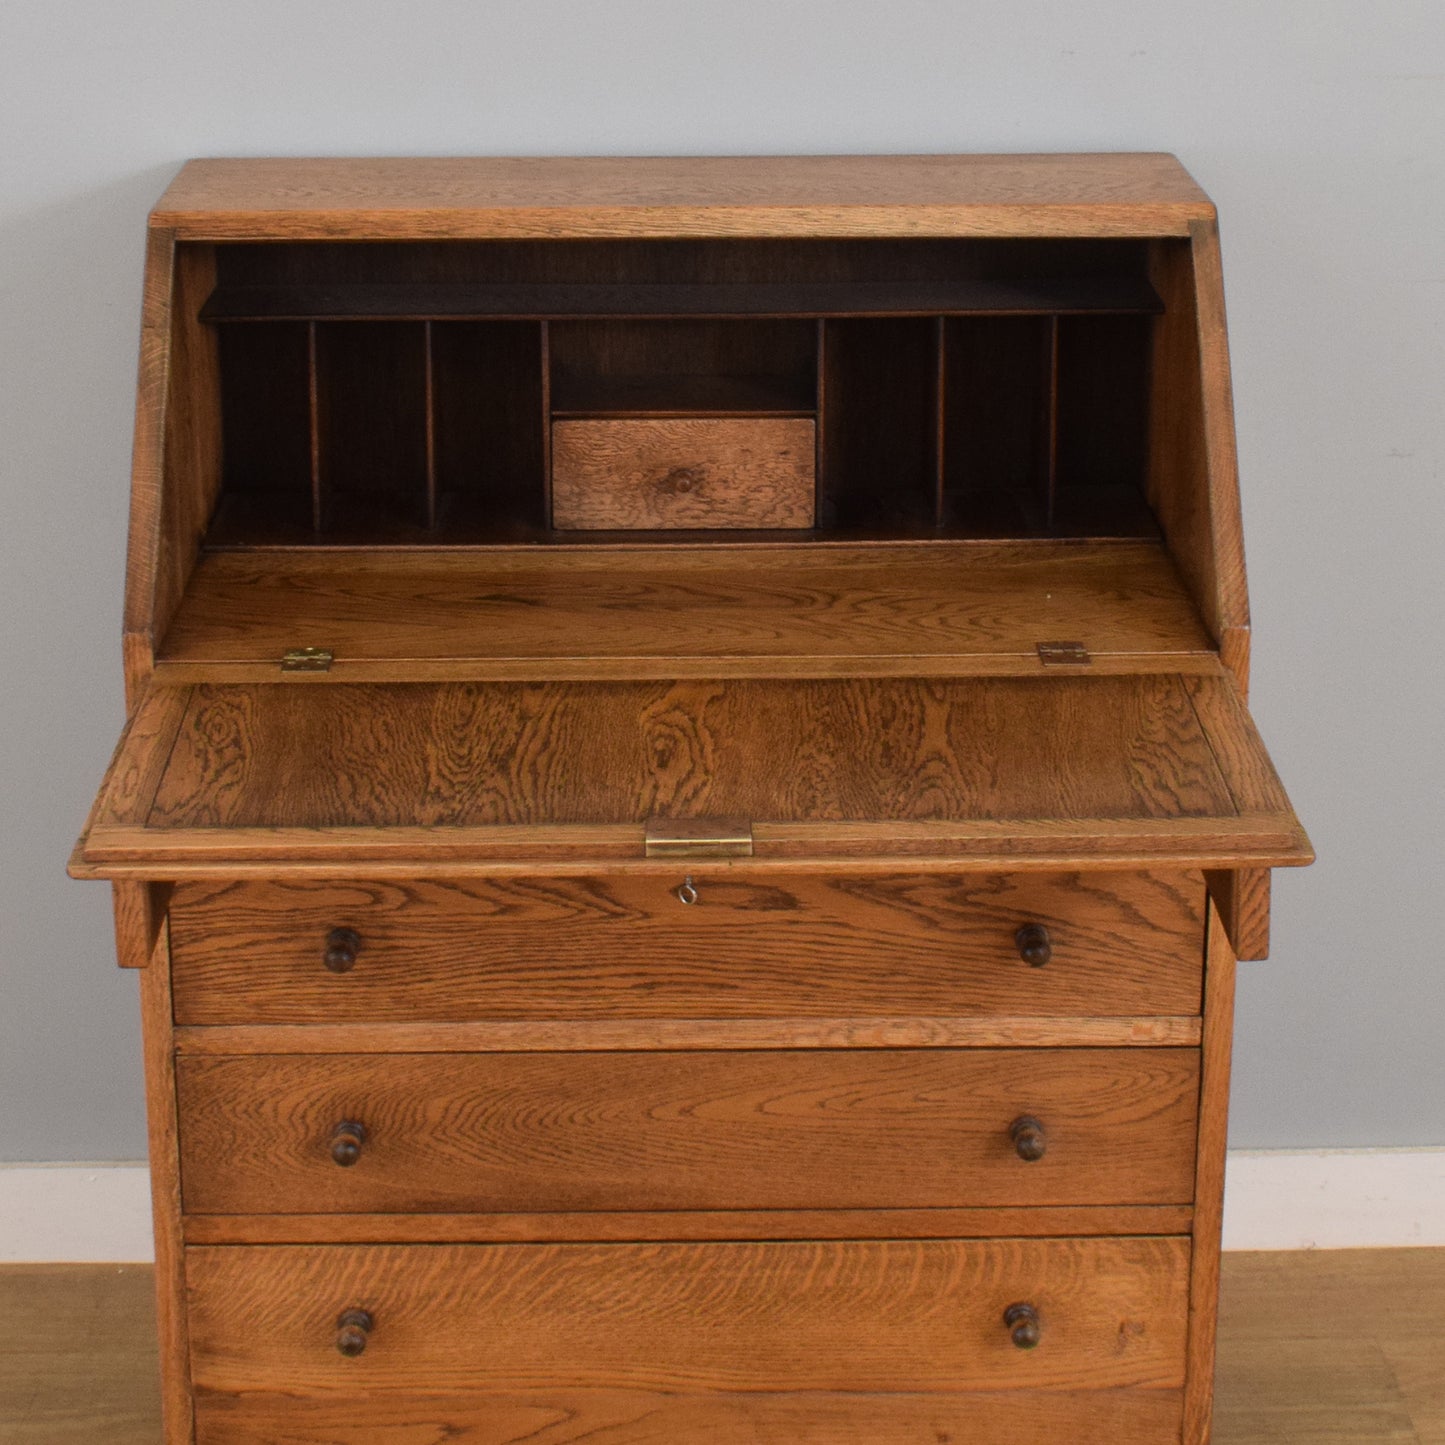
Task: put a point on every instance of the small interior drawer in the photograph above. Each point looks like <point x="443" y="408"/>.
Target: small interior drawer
<point x="794" y="945"/>
<point x="761" y="1129"/>
<point x="654" y="473"/>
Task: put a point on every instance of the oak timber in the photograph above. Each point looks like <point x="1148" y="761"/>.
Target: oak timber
<point x="1069" y="769"/>
<point x="852" y="1315"/>
<point x="689" y="1226"/>
<point x="815" y="1129"/>
<point x="991" y="1031"/>
<point x="453" y="197"/>
<point x="789" y="945"/>
<point x="728" y="611"/>
<point x="654" y="472"/>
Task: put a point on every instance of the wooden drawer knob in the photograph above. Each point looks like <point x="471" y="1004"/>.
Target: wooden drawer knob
<point x="1030" y="1141"/>
<point x="1024" y="1327"/>
<point x="342" y="946"/>
<point x="346" y="1141"/>
<point x="353" y="1329"/>
<point x="1034" y="945"/>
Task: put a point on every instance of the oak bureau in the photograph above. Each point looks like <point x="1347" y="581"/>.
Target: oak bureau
<point x="688" y="807"/>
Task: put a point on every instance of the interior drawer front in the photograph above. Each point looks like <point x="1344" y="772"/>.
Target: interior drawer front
<point x="805" y="1129"/>
<point x="550" y="1320"/>
<point x="780" y="945"/>
<point x="653" y="474"/>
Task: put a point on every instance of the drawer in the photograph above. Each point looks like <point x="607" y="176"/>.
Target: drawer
<point x="562" y="1416"/>
<point x="654" y="474"/>
<point x="554" y="1322"/>
<point x="751" y="946"/>
<point x="804" y="1129"/>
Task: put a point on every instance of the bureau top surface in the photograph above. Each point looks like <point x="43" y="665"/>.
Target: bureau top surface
<point x="1109" y="194"/>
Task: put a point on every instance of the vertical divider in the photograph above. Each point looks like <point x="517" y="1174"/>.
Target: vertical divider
<point x="1052" y="481"/>
<point x="820" y="420"/>
<point x="546" y="424"/>
<point x="314" y="392"/>
<point x="431" y="427"/>
<point x="940" y="407"/>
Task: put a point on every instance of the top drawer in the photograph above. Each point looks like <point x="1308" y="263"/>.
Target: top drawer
<point x="747" y="946"/>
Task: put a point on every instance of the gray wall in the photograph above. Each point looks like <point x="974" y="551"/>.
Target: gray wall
<point x="1317" y="125"/>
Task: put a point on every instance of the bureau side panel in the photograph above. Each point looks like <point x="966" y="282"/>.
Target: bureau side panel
<point x="164" y="1142"/>
<point x="1209" y="1182"/>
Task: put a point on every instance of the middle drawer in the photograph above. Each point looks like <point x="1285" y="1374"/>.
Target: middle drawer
<point x="804" y="1129"/>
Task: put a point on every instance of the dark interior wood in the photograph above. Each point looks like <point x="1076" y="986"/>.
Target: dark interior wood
<point x="961" y="388"/>
<point x="659" y="368"/>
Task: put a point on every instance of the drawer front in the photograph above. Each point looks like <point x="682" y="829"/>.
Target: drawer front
<point x="754" y="946"/>
<point x="653" y="474"/>
<point x="549" y="1320"/>
<point x="806" y="1129"/>
<point x="561" y="1416"/>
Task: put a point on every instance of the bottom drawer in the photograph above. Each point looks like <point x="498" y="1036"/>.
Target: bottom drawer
<point x="623" y="1417"/>
<point x="714" y="1338"/>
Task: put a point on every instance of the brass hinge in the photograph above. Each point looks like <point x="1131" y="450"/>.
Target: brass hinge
<point x="307" y="659"/>
<point x="1064" y="654"/>
<point x="699" y="838"/>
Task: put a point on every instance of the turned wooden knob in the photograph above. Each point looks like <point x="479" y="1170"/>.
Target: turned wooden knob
<point x="1024" y="1327"/>
<point x="342" y="946"/>
<point x="353" y="1328"/>
<point x="346" y="1141"/>
<point x="1034" y="944"/>
<point x="1030" y="1141"/>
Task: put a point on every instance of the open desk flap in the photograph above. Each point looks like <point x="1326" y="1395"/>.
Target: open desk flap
<point x="417" y="777"/>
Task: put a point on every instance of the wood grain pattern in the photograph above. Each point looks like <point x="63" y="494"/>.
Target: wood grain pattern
<point x="1242" y="896"/>
<point x="650" y="473"/>
<point x="453" y="197"/>
<point x="192" y="457"/>
<point x="1204" y="1272"/>
<point x="689" y="1226"/>
<point x="812" y="1129"/>
<point x="1193" y="471"/>
<point x="617" y="1417"/>
<point x="1253" y="783"/>
<point x="988" y="1031"/>
<point x="1066" y="769"/>
<point x="140" y="912"/>
<point x="857" y="1316"/>
<point x="464" y="756"/>
<point x="128" y="791"/>
<point x="162" y="1124"/>
<point x="1221" y="448"/>
<point x="148" y="462"/>
<point x="730" y="610"/>
<point x="785" y="946"/>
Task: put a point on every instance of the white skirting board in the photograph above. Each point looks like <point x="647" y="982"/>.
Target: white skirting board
<point x="1275" y="1199"/>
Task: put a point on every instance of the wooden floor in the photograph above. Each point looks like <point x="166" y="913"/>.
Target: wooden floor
<point x="1338" y="1348"/>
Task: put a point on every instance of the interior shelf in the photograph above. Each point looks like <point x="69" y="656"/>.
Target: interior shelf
<point x="476" y="301"/>
<point x="680" y="395"/>
<point x="731" y="610"/>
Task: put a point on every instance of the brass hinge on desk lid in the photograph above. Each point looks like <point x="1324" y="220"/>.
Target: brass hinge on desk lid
<point x="699" y="838"/>
<point x="307" y="659"/>
<point x="1064" y="654"/>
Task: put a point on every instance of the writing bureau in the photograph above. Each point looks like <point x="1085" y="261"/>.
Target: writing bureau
<point x="688" y="807"/>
